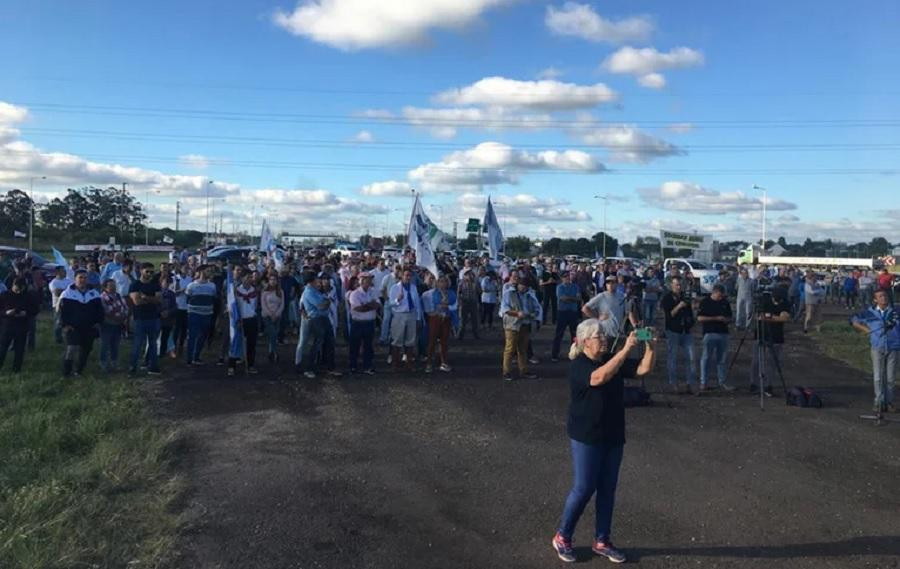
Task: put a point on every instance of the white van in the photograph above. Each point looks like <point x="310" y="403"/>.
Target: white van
<point x="701" y="271"/>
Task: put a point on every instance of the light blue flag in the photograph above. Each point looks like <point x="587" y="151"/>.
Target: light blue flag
<point x="59" y="259"/>
<point x="236" y="348"/>
<point x="495" y="236"/>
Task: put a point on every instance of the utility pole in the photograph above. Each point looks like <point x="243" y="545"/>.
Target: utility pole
<point x="31" y="223"/>
<point x="605" y="199"/>
<point x="177" y="214"/>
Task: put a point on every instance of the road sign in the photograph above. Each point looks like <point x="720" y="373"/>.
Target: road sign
<point x="473" y="226"/>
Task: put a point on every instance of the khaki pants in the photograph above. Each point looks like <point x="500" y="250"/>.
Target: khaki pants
<point x="812" y="316"/>
<point x="516" y="343"/>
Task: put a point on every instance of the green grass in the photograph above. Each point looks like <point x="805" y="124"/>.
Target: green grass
<point x="839" y="340"/>
<point x="86" y="474"/>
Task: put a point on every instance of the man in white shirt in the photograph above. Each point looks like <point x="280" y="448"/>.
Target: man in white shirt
<point x="59" y="284"/>
<point x="407" y="313"/>
<point x="387" y="282"/>
<point x="364" y="305"/>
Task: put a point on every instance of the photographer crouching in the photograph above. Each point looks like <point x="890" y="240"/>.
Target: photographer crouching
<point x="596" y="429"/>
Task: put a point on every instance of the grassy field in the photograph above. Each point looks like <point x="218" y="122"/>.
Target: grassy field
<point x="86" y="475"/>
<point x="842" y="342"/>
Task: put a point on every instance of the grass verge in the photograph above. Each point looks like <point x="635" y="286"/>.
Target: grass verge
<point x="839" y="340"/>
<point x="86" y="475"/>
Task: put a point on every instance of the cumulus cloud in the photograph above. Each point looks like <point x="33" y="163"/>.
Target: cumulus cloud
<point x="628" y="144"/>
<point x="545" y="94"/>
<point x="550" y="73"/>
<point x="693" y="198"/>
<point x="581" y="21"/>
<point x="521" y="207"/>
<point x="362" y="24"/>
<point x="363" y="137"/>
<point x="493" y="163"/>
<point x="194" y="161"/>
<point x="646" y="63"/>
<point x="388" y="188"/>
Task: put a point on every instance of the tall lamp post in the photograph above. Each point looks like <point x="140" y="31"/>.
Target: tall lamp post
<point x="762" y="246"/>
<point x="31" y="221"/>
<point x="208" y="185"/>
<point x="605" y="199"/>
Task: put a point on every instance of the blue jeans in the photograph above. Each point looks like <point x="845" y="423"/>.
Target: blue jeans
<point x="301" y="340"/>
<point x="674" y="343"/>
<point x="362" y="333"/>
<point x="596" y="470"/>
<point x="146" y="333"/>
<point x="649" y="312"/>
<point x="110" y="337"/>
<point x="271" y="327"/>
<point x="198" y="329"/>
<point x="884" y="365"/>
<point x="715" y="348"/>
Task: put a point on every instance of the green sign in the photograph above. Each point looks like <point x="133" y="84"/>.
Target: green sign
<point x="474" y="226"/>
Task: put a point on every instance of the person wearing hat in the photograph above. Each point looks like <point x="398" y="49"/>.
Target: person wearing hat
<point x="609" y="308"/>
<point x="364" y="306"/>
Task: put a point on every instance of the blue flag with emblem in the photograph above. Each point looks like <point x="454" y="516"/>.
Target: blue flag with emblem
<point x="492" y="226"/>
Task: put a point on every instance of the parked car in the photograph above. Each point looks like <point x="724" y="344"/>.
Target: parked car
<point x="231" y="254"/>
<point x="701" y="271"/>
<point x="16" y="253"/>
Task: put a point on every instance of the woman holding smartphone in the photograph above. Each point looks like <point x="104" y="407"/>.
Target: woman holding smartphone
<point x="596" y="429"/>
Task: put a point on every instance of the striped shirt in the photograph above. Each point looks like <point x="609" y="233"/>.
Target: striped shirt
<point x="200" y="298"/>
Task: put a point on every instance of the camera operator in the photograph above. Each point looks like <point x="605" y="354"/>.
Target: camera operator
<point x="676" y="306"/>
<point x="596" y="429"/>
<point x="882" y="323"/>
<point x="774" y="310"/>
<point x="714" y="314"/>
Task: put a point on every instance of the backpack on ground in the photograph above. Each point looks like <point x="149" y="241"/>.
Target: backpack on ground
<point x="799" y="396"/>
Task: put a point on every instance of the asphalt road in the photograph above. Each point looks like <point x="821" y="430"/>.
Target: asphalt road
<point x="464" y="470"/>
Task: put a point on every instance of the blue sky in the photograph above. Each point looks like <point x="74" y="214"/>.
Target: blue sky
<point x="798" y="97"/>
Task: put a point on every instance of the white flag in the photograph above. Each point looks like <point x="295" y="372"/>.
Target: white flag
<point x="495" y="236"/>
<point x="419" y="238"/>
<point x="267" y="243"/>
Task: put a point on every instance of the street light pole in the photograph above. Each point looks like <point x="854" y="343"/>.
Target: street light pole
<point x="208" y="184"/>
<point x="764" y="200"/>
<point x="31" y="222"/>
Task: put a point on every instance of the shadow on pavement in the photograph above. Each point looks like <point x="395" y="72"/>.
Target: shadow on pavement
<point x="867" y="545"/>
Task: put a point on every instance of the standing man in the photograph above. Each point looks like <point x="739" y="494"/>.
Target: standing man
<point x="679" y="321"/>
<point x="469" y="297"/>
<point x="57" y="286"/>
<point x="773" y="313"/>
<point x="407" y="313"/>
<point x="549" y="282"/>
<point x="320" y="337"/>
<point x="81" y="314"/>
<point x="519" y="310"/>
<point x="16" y="308"/>
<point x="745" y="288"/>
<point x="201" y="296"/>
<point x="609" y="308"/>
<point x="652" y="288"/>
<point x="364" y="306"/>
<point x="568" y="299"/>
<point x="247" y="297"/>
<point x="714" y="314"/>
<point x="146" y="297"/>
<point x="813" y="297"/>
<point x="882" y="324"/>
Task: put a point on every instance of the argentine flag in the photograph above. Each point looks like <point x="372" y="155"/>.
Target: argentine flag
<point x="236" y="348"/>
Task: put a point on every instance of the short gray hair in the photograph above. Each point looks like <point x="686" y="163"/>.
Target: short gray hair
<point x="589" y="328"/>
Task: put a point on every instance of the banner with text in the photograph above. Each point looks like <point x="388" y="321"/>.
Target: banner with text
<point x="675" y="240"/>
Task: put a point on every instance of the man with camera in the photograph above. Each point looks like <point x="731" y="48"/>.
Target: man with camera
<point x="679" y="313"/>
<point x="774" y="310"/>
<point x="882" y="324"/>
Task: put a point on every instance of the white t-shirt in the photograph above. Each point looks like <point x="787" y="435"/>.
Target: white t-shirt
<point x="57" y="286"/>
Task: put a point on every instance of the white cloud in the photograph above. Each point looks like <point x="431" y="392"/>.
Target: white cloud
<point x="361" y="24"/>
<point x="194" y="161"/>
<point x="693" y="198"/>
<point x="581" y="21"/>
<point x="364" y="136"/>
<point x="521" y="207"/>
<point x="550" y="73"/>
<point x="388" y="188"/>
<point x="12" y="114"/>
<point x="444" y="123"/>
<point x="680" y="127"/>
<point x="645" y="63"/>
<point x="628" y="144"/>
<point x="493" y="163"/>
<point x="545" y="94"/>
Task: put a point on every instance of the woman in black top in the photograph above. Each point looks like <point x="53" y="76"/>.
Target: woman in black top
<point x="596" y="429"/>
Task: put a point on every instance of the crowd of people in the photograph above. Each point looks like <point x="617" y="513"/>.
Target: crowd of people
<point x="180" y="310"/>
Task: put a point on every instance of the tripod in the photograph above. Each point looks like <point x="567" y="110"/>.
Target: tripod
<point x="764" y="349"/>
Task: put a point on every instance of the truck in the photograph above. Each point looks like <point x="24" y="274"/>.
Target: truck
<point x="753" y="256"/>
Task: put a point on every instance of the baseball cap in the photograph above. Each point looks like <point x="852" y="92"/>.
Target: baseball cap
<point x="610" y="278"/>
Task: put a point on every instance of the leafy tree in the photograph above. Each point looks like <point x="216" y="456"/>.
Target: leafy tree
<point x="611" y="244"/>
<point x="469" y="243"/>
<point x="519" y="246"/>
<point x="15" y="210"/>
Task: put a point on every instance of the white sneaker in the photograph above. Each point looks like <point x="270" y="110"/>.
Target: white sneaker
<point x="446" y="368"/>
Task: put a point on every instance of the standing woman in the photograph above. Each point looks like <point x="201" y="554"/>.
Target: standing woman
<point x="272" y="307"/>
<point x="596" y="429"/>
<point x="489" y="291"/>
<point x="115" y="313"/>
